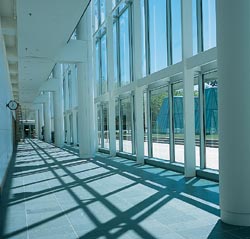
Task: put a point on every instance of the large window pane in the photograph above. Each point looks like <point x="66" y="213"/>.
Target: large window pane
<point x="195" y="31"/>
<point x="209" y="24"/>
<point x="97" y="68"/>
<point x="126" y="119"/>
<point x="145" y="123"/>
<point x="96" y="14"/>
<point x="99" y="125"/>
<point x="143" y="45"/>
<point x="157" y="35"/>
<point x="211" y="121"/>
<point x="124" y="49"/>
<point x="197" y="120"/>
<point x="159" y="107"/>
<point x="178" y="122"/>
<point x="117" y="124"/>
<point x="103" y="9"/>
<point x="106" y="125"/>
<point x="115" y="54"/>
<point x="176" y="31"/>
<point x="104" y="64"/>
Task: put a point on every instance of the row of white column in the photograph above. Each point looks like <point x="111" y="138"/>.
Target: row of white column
<point x="233" y="44"/>
<point x="233" y="38"/>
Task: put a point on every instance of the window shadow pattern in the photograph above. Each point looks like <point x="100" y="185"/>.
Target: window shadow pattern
<point x="52" y="193"/>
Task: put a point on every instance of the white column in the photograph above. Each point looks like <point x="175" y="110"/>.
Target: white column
<point x="58" y="107"/>
<point x="47" y="119"/>
<point x="139" y="126"/>
<point x="233" y="45"/>
<point x="110" y="56"/>
<point x="188" y="84"/>
<point x="86" y="91"/>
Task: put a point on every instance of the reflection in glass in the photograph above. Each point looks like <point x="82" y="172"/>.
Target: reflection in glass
<point x="176" y="31"/>
<point x="126" y="120"/>
<point x="197" y="120"/>
<point x="211" y="121"/>
<point x="157" y="35"/>
<point x="209" y="24"/>
<point x="124" y="49"/>
<point x="178" y="122"/>
<point x="159" y="115"/>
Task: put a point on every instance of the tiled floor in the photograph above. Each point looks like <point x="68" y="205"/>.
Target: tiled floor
<point x="52" y="193"/>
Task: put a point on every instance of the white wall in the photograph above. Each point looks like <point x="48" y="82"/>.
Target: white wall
<point x="6" y="140"/>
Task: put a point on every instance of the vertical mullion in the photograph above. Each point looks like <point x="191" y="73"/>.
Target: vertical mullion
<point x="149" y="119"/>
<point x="147" y="43"/>
<point x="199" y="25"/>
<point x="171" y="123"/>
<point x="169" y="33"/>
<point x="202" y="121"/>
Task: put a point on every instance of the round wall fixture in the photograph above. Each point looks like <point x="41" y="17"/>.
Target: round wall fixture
<point x="12" y="105"/>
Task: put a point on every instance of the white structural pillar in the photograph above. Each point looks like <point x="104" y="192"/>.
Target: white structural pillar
<point x="47" y="119"/>
<point x="58" y="106"/>
<point x="188" y="85"/>
<point x="110" y="56"/>
<point x="233" y="45"/>
<point x="139" y="125"/>
<point x="86" y="129"/>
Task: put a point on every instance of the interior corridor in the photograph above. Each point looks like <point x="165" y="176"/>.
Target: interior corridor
<point x="52" y="193"/>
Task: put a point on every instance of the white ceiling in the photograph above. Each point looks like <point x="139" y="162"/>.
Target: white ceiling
<point x="35" y="33"/>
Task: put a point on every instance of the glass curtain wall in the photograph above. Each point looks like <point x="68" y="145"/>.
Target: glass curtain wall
<point x="103" y="125"/>
<point x="122" y="45"/>
<point x="157" y="22"/>
<point x="161" y="33"/>
<point x="160" y="127"/>
<point x="126" y="123"/>
<point x="178" y="121"/>
<point x="211" y="120"/>
<point x="101" y="64"/>
<point x="206" y="121"/>
<point x="99" y="13"/>
<point x="204" y="25"/>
